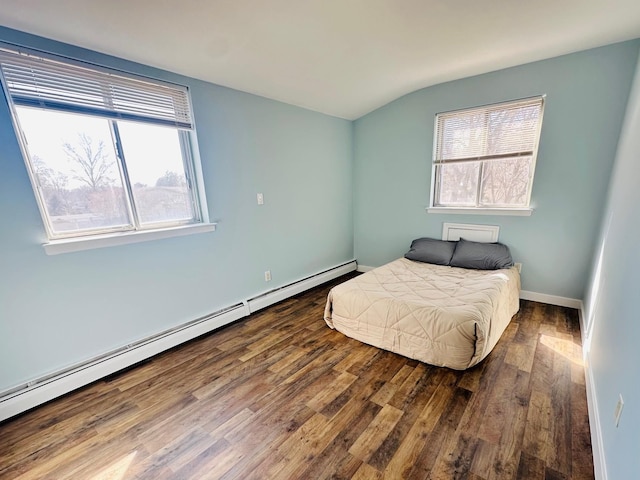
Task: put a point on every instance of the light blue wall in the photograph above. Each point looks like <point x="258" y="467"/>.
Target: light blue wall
<point x="58" y="310"/>
<point x="613" y="322"/>
<point x="586" y="97"/>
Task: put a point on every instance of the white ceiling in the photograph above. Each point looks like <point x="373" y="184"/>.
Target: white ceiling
<point x="340" y="57"/>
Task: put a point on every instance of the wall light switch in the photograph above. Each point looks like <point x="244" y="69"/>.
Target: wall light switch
<point x="260" y="199"/>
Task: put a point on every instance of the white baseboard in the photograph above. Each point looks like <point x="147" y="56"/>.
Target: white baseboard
<point x="597" y="446"/>
<point x="44" y="389"/>
<point x="364" y="268"/>
<point x="599" y="464"/>
<point x="551" y="299"/>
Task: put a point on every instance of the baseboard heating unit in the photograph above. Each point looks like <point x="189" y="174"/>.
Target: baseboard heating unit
<point x="45" y="388"/>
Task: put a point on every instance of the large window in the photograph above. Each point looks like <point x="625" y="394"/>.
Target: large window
<point x="107" y="152"/>
<point x="484" y="157"/>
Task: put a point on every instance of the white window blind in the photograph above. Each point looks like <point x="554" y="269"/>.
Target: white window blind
<point x="38" y="81"/>
<point x="498" y="131"/>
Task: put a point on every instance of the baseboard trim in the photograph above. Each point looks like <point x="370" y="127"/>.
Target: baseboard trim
<point x="595" y="427"/>
<point x="364" y="268"/>
<point x="597" y="445"/>
<point x="49" y="387"/>
<point x="551" y="299"/>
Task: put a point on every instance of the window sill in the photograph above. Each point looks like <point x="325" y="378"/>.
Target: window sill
<point x="522" y="212"/>
<point x="67" y="245"/>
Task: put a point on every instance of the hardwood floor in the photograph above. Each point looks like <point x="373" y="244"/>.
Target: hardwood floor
<point x="281" y="396"/>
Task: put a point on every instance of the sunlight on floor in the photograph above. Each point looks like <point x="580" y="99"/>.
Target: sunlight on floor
<point x="117" y="470"/>
<point x="566" y="348"/>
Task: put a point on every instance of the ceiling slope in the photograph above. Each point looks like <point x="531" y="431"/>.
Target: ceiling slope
<point x="340" y="57"/>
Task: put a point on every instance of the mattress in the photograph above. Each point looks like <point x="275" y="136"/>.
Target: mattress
<point x="446" y="316"/>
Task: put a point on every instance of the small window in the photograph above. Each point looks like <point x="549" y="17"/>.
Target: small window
<point x="484" y="157"/>
<point x="106" y="151"/>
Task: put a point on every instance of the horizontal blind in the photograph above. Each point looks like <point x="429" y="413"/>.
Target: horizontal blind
<point x="37" y="81"/>
<point x="491" y="132"/>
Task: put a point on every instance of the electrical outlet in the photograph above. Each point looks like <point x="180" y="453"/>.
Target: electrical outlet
<point x="267" y="276"/>
<point x="260" y="198"/>
<point x="519" y="267"/>
<point x="618" y="411"/>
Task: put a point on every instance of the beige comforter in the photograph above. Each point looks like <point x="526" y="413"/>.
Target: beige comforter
<point x="446" y="316"/>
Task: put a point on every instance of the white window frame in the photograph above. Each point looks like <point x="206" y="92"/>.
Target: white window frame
<point x="182" y="120"/>
<point x="479" y="209"/>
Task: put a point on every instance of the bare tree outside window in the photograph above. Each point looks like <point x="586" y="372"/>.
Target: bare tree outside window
<point x="74" y="164"/>
<point x="53" y="185"/>
<point x="92" y="163"/>
<point x="459" y="184"/>
<point x="171" y="179"/>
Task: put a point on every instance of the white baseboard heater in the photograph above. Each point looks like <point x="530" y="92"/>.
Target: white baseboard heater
<point x="43" y="389"/>
<point x="276" y="295"/>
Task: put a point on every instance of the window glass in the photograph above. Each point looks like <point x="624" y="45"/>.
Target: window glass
<point x="505" y="182"/>
<point x="157" y="172"/>
<point x="458" y="183"/>
<point x="75" y="166"/>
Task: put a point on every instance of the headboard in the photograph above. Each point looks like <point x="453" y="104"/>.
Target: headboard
<point x="475" y="233"/>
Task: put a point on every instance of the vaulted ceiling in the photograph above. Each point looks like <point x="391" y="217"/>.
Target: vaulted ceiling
<point x="340" y="57"/>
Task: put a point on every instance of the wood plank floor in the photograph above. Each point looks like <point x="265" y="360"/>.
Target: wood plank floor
<point x="279" y="395"/>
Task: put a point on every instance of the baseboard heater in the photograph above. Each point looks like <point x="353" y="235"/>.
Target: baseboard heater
<point x="278" y="294"/>
<point x="45" y="388"/>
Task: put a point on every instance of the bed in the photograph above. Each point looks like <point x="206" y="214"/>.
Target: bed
<point x="439" y="314"/>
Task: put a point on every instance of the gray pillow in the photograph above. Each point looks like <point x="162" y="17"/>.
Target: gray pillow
<point x="430" y="250"/>
<point x="482" y="256"/>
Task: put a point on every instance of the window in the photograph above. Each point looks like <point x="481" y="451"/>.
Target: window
<point x="107" y="152"/>
<point x="484" y="157"/>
